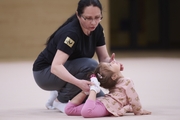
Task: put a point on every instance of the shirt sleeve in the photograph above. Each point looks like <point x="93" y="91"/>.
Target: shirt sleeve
<point x="67" y="42"/>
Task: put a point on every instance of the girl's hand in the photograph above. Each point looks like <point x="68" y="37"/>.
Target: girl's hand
<point x="143" y="112"/>
<point x="113" y="59"/>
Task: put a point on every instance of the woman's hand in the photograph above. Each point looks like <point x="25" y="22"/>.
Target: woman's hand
<point x="113" y="59"/>
<point x="84" y="85"/>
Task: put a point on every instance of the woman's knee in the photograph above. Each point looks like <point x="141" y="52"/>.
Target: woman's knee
<point x="90" y="64"/>
<point x="92" y="61"/>
<point x="80" y="65"/>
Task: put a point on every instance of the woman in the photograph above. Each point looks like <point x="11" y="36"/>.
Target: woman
<point x="122" y="96"/>
<point x="64" y="63"/>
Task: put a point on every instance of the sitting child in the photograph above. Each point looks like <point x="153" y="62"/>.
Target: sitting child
<point x="122" y="96"/>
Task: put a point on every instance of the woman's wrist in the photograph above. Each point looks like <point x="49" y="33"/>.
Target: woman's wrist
<point x="77" y="82"/>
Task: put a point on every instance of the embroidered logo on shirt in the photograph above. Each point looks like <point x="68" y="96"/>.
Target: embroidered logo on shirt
<point x="68" y="41"/>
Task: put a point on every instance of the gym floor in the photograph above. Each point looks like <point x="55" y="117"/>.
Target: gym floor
<point x="155" y="75"/>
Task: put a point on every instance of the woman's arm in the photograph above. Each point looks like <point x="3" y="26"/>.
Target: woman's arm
<point x="59" y="70"/>
<point x="102" y="54"/>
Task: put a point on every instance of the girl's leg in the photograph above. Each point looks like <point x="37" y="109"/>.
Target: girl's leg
<point x="74" y="106"/>
<point x="94" y="108"/>
<point x="73" y="110"/>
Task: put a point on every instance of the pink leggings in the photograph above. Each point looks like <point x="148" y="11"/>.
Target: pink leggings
<point x="89" y="109"/>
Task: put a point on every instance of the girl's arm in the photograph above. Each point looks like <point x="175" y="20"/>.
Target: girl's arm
<point x="133" y="98"/>
<point x="79" y="98"/>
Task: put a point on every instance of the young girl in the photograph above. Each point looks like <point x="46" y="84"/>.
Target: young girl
<point x="121" y="98"/>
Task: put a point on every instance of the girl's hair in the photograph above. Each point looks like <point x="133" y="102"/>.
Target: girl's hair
<point x="104" y="76"/>
<point x="80" y="9"/>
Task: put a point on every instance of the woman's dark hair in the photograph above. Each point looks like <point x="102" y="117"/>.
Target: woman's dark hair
<point x="80" y="9"/>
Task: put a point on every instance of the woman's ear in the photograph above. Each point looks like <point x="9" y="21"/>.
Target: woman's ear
<point x="114" y="76"/>
<point x="77" y="14"/>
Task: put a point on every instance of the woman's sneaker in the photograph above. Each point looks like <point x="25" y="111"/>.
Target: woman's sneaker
<point x="52" y="97"/>
<point x="59" y="106"/>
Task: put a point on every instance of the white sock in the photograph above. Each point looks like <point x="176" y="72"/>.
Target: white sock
<point x="96" y="83"/>
<point x="95" y="88"/>
<point x="52" y="97"/>
<point x="60" y="106"/>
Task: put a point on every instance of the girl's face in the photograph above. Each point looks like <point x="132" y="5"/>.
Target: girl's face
<point x="90" y="19"/>
<point x="113" y="66"/>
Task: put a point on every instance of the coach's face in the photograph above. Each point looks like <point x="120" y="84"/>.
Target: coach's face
<point x="90" y="19"/>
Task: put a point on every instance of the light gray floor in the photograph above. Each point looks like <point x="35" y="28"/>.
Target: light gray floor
<point x="156" y="79"/>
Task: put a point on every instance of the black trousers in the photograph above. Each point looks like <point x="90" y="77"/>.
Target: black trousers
<point x="66" y="91"/>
